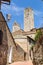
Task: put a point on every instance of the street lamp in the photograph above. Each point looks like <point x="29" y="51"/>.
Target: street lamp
<point x="8" y="16"/>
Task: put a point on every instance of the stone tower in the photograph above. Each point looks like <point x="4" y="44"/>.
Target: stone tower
<point x="16" y="26"/>
<point x="28" y="19"/>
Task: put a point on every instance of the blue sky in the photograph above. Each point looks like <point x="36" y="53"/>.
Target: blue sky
<point x="16" y="9"/>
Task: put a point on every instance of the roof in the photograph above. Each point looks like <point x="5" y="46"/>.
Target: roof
<point x="29" y="38"/>
<point x="32" y="31"/>
<point x="28" y="9"/>
<point x="22" y="32"/>
<point x="18" y="32"/>
<point x="35" y="29"/>
<point x="16" y="24"/>
<point x="40" y="28"/>
<point x="3" y="19"/>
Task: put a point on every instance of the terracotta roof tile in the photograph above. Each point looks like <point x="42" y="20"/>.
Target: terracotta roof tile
<point x="21" y="32"/>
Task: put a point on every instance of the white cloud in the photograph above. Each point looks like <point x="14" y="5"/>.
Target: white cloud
<point x="13" y="8"/>
<point x="37" y="13"/>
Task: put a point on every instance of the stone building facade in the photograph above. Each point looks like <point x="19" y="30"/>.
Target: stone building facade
<point x="16" y="27"/>
<point x="7" y="36"/>
<point x="20" y="38"/>
<point x="38" y="52"/>
<point x="17" y="54"/>
<point x="17" y="40"/>
<point x="28" y="19"/>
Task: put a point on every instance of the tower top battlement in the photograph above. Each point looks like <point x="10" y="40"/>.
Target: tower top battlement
<point x="28" y="9"/>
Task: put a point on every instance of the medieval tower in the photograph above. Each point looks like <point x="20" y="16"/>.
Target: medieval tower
<point x="16" y="27"/>
<point x="28" y="19"/>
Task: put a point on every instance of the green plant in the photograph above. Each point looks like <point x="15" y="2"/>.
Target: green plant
<point x="38" y="34"/>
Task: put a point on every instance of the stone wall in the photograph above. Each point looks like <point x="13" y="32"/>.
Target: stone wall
<point x="21" y="44"/>
<point x="3" y="29"/>
<point x="17" y="52"/>
<point x="38" y="54"/>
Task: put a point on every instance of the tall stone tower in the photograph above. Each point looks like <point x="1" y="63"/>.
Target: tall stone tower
<point x="28" y="19"/>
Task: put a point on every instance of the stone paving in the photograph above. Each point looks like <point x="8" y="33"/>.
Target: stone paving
<point x="22" y="63"/>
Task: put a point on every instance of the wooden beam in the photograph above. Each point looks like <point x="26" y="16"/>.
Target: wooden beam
<point x="6" y="0"/>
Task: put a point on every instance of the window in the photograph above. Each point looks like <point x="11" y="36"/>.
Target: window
<point x="24" y="56"/>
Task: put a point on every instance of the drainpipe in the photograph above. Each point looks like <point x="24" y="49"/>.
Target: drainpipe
<point x="10" y="55"/>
